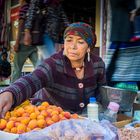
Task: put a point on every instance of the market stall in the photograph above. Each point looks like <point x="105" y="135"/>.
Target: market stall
<point x="49" y="122"/>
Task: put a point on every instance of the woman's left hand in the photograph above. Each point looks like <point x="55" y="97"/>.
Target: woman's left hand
<point x="6" y="101"/>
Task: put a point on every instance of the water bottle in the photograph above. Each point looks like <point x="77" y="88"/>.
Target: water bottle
<point x="111" y="113"/>
<point x="92" y="109"/>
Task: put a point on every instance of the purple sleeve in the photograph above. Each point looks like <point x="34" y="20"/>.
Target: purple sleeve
<point x="101" y="74"/>
<point x="26" y="86"/>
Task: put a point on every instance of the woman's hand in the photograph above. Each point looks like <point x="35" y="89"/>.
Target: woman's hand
<point x="132" y="16"/>
<point x="16" y="47"/>
<point x="6" y="101"/>
<point x="27" y="38"/>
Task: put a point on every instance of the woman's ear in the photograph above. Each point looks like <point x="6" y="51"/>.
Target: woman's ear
<point x="88" y="50"/>
<point x="88" y="54"/>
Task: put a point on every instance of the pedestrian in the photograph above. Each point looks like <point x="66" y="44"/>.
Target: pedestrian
<point x="22" y="52"/>
<point x="52" y="21"/>
<point x="135" y="18"/>
<point x="123" y="55"/>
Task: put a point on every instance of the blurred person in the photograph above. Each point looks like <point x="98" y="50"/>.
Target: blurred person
<point x="5" y="66"/>
<point x="123" y="65"/>
<point x="135" y="18"/>
<point x="70" y="76"/>
<point x="53" y="21"/>
<point x="22" y="52"/>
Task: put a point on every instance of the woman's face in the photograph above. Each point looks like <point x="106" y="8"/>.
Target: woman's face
<point x="75" y="48"/>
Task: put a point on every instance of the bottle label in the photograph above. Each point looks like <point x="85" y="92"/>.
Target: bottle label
<point x="92" y="113"/>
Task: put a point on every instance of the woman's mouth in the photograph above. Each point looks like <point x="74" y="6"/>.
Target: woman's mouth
<point x="72" y="54"/>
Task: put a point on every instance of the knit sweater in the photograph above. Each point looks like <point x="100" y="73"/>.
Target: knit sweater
<point x="23" y="10"/>
<point x="64" y="88"/>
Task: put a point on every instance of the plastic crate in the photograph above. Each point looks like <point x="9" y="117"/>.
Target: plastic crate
<point x="125" y="98"/>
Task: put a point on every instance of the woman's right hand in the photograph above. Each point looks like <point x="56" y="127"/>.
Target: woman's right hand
<point x="27" y="38"/>
<point x="16" y="47"/>
<point x="6" y="102"/>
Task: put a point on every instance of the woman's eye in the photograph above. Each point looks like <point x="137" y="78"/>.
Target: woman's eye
<point x="68" y="40"/>
<point x="81" y="42"/>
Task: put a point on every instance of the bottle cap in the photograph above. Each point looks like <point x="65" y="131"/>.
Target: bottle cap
<point x="92" y="99"/>
<point x="113" y="106"/>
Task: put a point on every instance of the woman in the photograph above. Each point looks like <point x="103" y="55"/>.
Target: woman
<point x="70" y="76"/>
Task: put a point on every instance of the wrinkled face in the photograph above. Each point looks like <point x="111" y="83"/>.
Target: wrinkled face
<point x="75" y="48"/>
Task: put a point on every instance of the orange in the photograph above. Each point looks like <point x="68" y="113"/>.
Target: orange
<point x="20" y="111"/>
<point x="49" y="122"/>
<point x="7" y="115"/>
<point x="55" y="118"/>
<point x="33" y="115"/>
<point x="25" y="114"/>
<point x="55" y="112"/>
<point x="59" y="109"/>
<point x="3" y="123"/>
<point x="67" y="115"/>
<point x="40" y="108"/>
<point x="12" y="118"/>
<point x="44" y="113"/>
<point x="6" y="130"/>
<point x="37" y="128"/>
<point x="25" y="120"/>
<point x="21" y="128"/>
<point x="41" y="123"/>
<point x="61" y="116"/>
<point x="28" y="129"/>
<point x="13" y="130"/>
<point x="10" y="125"/>
<point x="32" y="124"/>
<point x="40" y="117"/>
<point x="49" y="111"/>
<point x="16" y="124"/>
<point x="74" y="116"/>
<point x="46" y="104"/>
<point x="29" y="109"/>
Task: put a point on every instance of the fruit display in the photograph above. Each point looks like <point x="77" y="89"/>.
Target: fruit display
<point x="27" y="117"/>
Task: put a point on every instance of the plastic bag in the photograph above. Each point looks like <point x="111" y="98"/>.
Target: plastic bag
<point x="74" y="129"/>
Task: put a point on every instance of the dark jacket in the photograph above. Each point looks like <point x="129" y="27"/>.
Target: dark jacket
<point x="58" y="77"/>
<point x="121" y="27"/>
<point x="54" y="20"/>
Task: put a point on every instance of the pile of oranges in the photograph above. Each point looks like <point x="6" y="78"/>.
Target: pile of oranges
<point x="30" y="117"/>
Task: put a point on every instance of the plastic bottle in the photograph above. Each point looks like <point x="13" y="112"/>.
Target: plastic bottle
<point x="92" y="109"/>
<point x="111" y="113"/>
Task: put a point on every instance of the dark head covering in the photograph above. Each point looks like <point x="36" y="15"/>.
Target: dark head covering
<point x="84" y="30"/>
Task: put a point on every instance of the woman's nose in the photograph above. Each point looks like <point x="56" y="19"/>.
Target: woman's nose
<point x="73" y="45"/>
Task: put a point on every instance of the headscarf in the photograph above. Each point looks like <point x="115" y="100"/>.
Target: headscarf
<point x="84" y="30"/>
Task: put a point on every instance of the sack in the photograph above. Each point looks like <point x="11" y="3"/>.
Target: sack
<point x="38" y="29"/>
<point x="74" y="129"/>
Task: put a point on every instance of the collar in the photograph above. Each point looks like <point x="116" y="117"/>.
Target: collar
<point x="89" y="69"/>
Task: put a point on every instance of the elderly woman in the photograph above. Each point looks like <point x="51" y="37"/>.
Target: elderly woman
<point x="70" y="76"/>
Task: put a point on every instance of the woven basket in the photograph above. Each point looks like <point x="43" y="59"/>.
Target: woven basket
<point x="122" y="120"/>
<point x="121" y="124"/>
